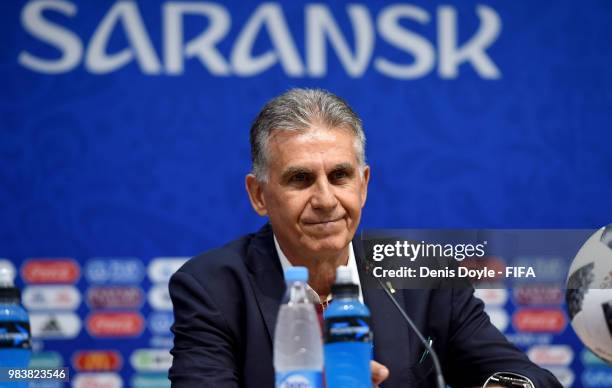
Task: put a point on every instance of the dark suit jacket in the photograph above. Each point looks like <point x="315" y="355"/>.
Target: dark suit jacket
<point x="225" y="306"/>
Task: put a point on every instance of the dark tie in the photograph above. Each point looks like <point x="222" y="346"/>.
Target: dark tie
<point x="319" y="308"/>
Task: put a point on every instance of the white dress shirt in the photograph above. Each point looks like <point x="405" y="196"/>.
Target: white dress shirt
<point x="314" y="297"/>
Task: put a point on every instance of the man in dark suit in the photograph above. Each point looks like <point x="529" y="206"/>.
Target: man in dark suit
<point x="310" y="179"/>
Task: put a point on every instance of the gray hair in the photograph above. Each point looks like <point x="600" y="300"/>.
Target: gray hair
<point x="298" y="110"/>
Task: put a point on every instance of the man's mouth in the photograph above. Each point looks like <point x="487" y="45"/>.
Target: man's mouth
<point x="323" y="222"/>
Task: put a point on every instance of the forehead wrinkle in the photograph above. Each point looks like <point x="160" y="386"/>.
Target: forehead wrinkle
<point x="308" y="138"/>
<point x="315" y="131"/>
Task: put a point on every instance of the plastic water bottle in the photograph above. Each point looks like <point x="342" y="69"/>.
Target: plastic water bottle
<point x="348" y="339"/>
<point x="15" y="348"/>
<point x="298" y="348"/>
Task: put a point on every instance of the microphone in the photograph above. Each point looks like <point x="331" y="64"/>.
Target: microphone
<point x="439" y="377"/>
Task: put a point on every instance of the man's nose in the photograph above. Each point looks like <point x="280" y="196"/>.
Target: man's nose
<point x="323" y="196"/>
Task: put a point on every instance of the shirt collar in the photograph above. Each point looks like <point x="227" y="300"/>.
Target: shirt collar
<point x="314" y="297"/>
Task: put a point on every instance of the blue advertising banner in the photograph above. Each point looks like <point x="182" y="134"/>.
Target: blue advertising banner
<point x="124" y="145"/>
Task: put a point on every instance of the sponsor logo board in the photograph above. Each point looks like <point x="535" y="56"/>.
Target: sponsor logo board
<point x="161" y="268"/>
<point x="45" y="384"/>
<point x="115" y="324"/>
<point x="539" y="320"/>
<point x="529" y="295"/>
<point x="160" y="322"/>
<point x="49" y="271"/>
<point x="150" y="380"/>
<point x="565" y="376"/>
<point x="525" y="340"/>
<point x="46" y="359"/>
<point x="151" y="360"/>
<point x="561" y="355"/>
<point x="159" y="297"/>
<point x="597" y="377"/>
<point x="499" y="317"/>
<point x="114" y="270"/>
<point x="115" y="297"/>
<point x="97" y="361"/>
<point x="589" y="358"/>
<point x="97" y="380"/>
<point x="65" y="325"/>
<point x="549" y="269"/>
<point x="38" y="345"/>
<point x="161" y="342"/>
<point x="492" y="296"/>
<point x="56" y="297"/>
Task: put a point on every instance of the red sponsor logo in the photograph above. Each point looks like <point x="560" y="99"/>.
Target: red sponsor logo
<point x="538" y="295"/>
<point x="47" y="271"/>
<point x="97" y="380"/>
<point x="97" y="361"/>
<point x="551" y="355"/>
<point x="115" y="324"/>
<point x="115" y="297"/>
<point x="492" y="296"/>
<point x="539" y="321"/>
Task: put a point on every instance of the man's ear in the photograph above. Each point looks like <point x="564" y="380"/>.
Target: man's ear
<point x="365" y="179"/>
<point x="255" y="190"/>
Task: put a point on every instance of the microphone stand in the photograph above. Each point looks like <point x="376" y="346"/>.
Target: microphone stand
<point x="439" y="377"/>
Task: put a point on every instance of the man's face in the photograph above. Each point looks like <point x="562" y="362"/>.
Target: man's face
<point x="315" y="190"/>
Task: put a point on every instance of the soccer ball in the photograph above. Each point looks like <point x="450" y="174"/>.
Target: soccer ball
<point x="589" y="293"/>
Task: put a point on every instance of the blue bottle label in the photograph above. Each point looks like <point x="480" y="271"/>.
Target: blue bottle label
<point x="299" y="379"/>
<point x="347" y="329"/>
<point x="15" y="335"/>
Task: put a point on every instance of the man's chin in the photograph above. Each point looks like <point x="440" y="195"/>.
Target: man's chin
<point x="328" y="244"/>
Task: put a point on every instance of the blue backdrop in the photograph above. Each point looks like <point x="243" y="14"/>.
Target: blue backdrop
<point x="124" y="125"/>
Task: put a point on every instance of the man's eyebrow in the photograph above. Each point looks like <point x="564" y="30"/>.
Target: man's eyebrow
<point x="292" y="170"/>
<point x="344" y="166"/>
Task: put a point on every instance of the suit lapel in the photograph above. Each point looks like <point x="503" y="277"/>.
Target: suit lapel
<point x="266" y="276"/>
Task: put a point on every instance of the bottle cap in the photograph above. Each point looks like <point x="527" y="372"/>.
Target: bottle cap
<point x="344" y="285"/>
<point x="7" y="275"/>
<point x="343" y="275"/>
<point x="296" y="274"/>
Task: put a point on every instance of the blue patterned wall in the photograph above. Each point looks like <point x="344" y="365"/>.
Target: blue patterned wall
<point x="137" y="158"/>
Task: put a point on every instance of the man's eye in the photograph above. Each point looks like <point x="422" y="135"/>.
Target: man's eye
<point x="336" y="175"/>
<point x="301" y="177"/>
